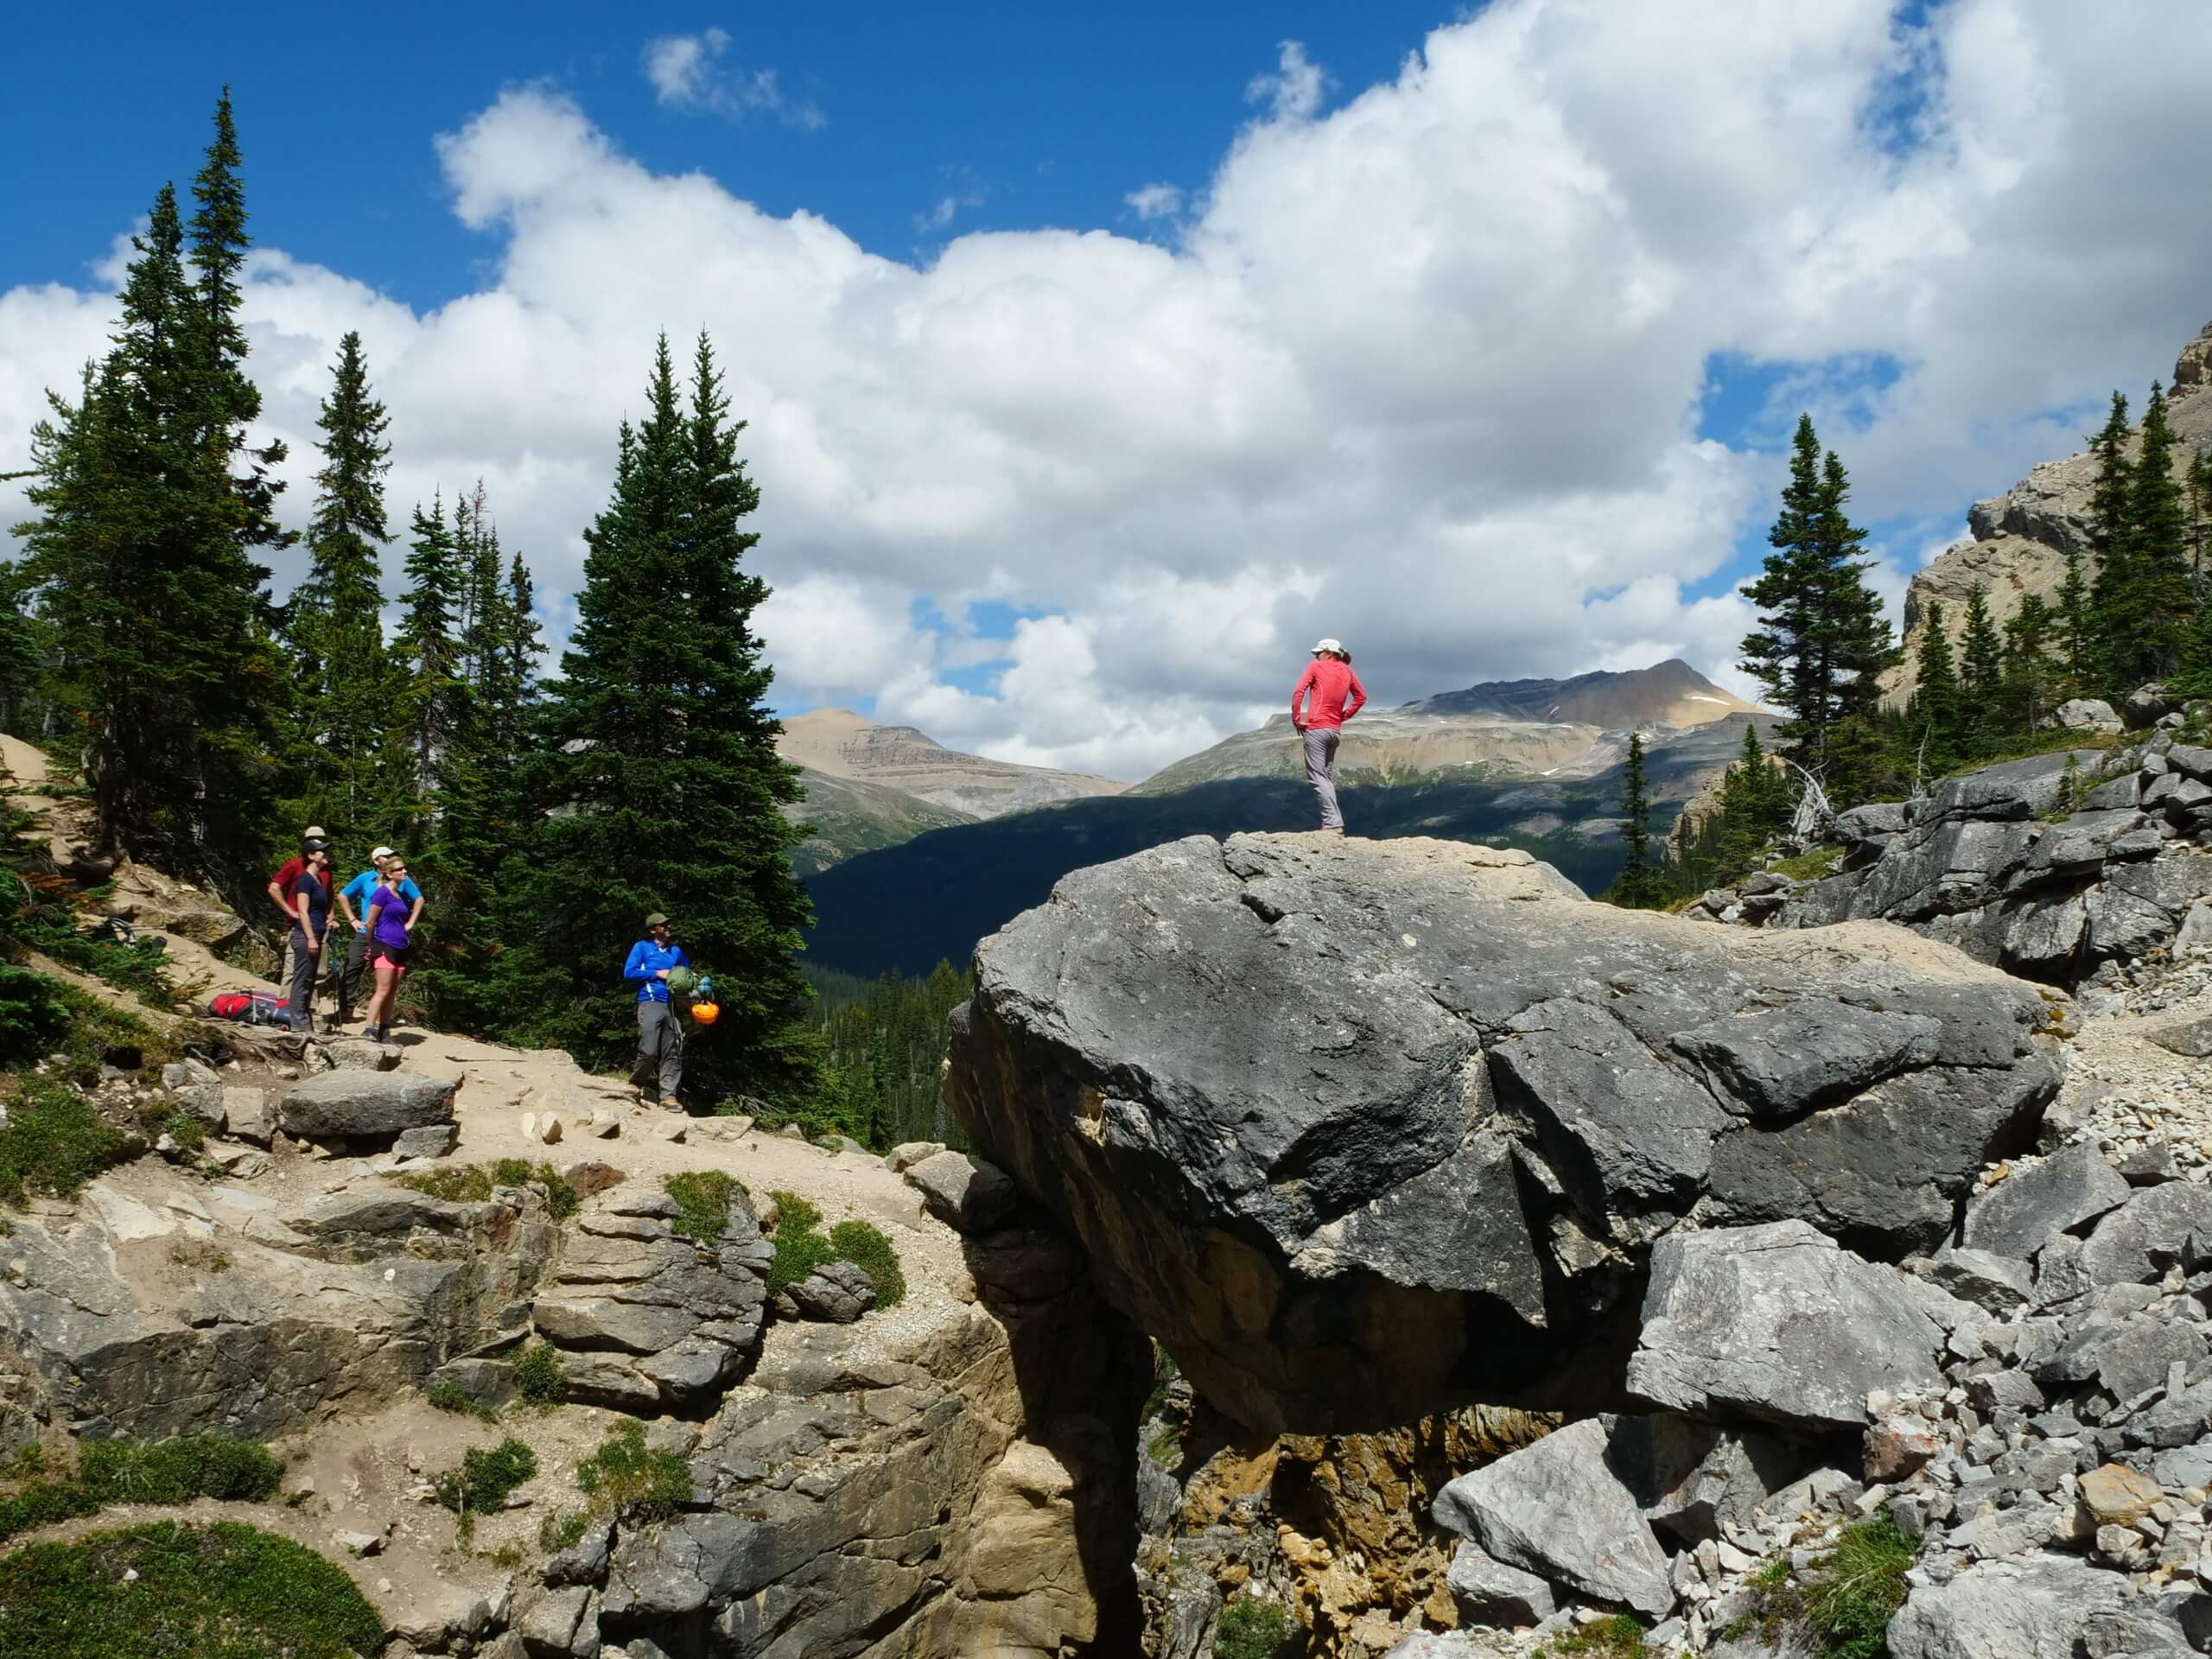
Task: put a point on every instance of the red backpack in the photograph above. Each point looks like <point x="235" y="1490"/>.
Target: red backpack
<point x="249" y="1008"/>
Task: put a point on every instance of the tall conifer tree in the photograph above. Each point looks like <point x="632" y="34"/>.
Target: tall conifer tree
<point x="142" y="553"/>
<point x="2117" y="599"/>
<point x="1638" y="885"/>
<point x="2158" y="554"/>
<point x="1981" y="679"/>
<point x="430" y="659"/>
<point x="1934" y="717"/>
<point x="337" y="614"/>
<point x="1823" y="643"/>
<point x="660" y="766"/>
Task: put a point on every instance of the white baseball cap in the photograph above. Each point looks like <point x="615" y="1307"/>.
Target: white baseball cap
<point x="381" y="852"/>
<point x="1328" y="645"/>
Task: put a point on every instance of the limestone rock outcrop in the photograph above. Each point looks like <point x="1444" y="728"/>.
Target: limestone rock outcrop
<point x="1364" y="1130"/>
<point x="2051" y="868"/>
<point x="2018" y="539"/>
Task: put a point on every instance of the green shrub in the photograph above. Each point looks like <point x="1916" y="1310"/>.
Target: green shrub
<point x="624" y="1477"/>
<point x="188" y="1131"/>
<point x="451" y="1396"/>
<point x="55" y="928"/>
<point x="561" y="1199"/>
<point x="53" y="1142"/>
<point x="1250" y="1629"/>
<point x="864" y="1245"/>
<point x="487" y="1477"/>
<point x="801" y="1247"/>
<point x="33" y="1018"/>
<point x="702" y="1196"/>
<point x="538" y="1376"/>
<point x="225" y="1591"/>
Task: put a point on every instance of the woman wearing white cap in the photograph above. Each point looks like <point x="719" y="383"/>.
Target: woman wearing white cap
<point x="1336" y="695"/>
<point x="354" y="899"/>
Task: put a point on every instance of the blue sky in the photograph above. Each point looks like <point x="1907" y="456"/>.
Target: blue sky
<point x="1042" y="115"/>
<point x="1470" y="336"/>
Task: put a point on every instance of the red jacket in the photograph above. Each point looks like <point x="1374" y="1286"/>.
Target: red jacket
<point x="1330" y="682"/>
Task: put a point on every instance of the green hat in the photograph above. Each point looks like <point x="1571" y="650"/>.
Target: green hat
<point x="655" y="920"/>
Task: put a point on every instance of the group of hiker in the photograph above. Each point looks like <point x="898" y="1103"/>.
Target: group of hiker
<point x="381" y="907"/>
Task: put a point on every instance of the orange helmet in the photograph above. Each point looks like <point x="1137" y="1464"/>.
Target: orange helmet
<point x="706" y="1013"/>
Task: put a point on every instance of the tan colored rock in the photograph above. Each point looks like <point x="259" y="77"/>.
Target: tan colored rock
<point x="2115" y="1496"/>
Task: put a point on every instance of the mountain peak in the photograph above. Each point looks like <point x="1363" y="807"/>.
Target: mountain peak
<point x="1669" y="693"/>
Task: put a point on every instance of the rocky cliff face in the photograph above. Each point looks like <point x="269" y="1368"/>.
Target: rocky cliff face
<point x="2019" y="539"/>
<point x="1362" y="1131"/>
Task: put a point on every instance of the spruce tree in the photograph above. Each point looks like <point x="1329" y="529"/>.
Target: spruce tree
<point x="430" y="654"/>
<point x="2200" y="517"/>
<point x="1823" y="643"/>
<point x="1637" y="884"/>
<point x="2027" y="670"/>
<point x="2076" y="624"/>
<point x="1934" y="717"/>
<point x="659" y="770"/>
<point x="2117" y="600"/>
<point x="1981" y="679"/>
<point x="160" y="627"/>
<point x="345" y="672"/>
<point x="2157" y="553"/>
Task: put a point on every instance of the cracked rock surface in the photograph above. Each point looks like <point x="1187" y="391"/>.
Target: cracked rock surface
<point x="1364" y="1130"/>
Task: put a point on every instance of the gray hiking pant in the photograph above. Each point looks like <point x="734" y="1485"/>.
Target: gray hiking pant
<point x="305" y="964"/>
<point x="358" y="957"/>
<point x="660" y="1069"/>
<point x="1321" y="772"/>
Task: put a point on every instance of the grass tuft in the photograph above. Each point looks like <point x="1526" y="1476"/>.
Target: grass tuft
<point x="562" y="1529"/>
<point x="143" y="1471"/>
<point x="538" y="1376"/>
<point x="626" y="1479"/>
<point x="451" y="1396"/>
<point x="474" y="1183"/>
<point x="1620" y="1636"/>
<point x="703" y="1197"/>
<point x="224" y="1592"/>
<point x="1843" y="1605"/>
<point x="486" y="1478"/>
<point x="864" y="1245"/>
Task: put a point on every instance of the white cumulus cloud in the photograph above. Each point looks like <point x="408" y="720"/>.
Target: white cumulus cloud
<point x="687" y="73"/>
<point x="1425" y="372"/>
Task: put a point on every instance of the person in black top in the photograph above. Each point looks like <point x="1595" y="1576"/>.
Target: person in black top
<point x="310" y="898"/>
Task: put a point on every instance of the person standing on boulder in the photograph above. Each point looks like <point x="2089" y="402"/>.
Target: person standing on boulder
<point x="310" y="914"/>
<point x="659" y="1070"/>
<point x="1336" y="696"/>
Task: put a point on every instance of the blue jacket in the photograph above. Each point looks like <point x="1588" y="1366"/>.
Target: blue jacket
<point x="646" y="960"/>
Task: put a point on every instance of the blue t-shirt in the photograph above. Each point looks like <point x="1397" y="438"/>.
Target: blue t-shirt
<point x="358" y="891"/>
<point x="310" y="889"/>
<point x="643" y="968"/>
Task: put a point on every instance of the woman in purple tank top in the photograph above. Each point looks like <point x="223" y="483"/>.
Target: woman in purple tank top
<point x="392" y="928"/>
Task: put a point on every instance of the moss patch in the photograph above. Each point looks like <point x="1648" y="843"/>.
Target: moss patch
<point x="538" y="1376"/>
<point x="474" y="1183"/>
<point x="1620" y="1636"/>
<point x="53" y="1142"/>
<point x="225" y="1591"/>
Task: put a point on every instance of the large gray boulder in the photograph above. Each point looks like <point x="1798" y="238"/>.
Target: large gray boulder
<point x="1363" y="1129"/>
<point x="1559" y="1510"/>
<point x="2021" y="1214"/>
<point x="366" y="1105"/>
<point x="1776" y="1323"/>
<point x="2041" y="1605"/>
